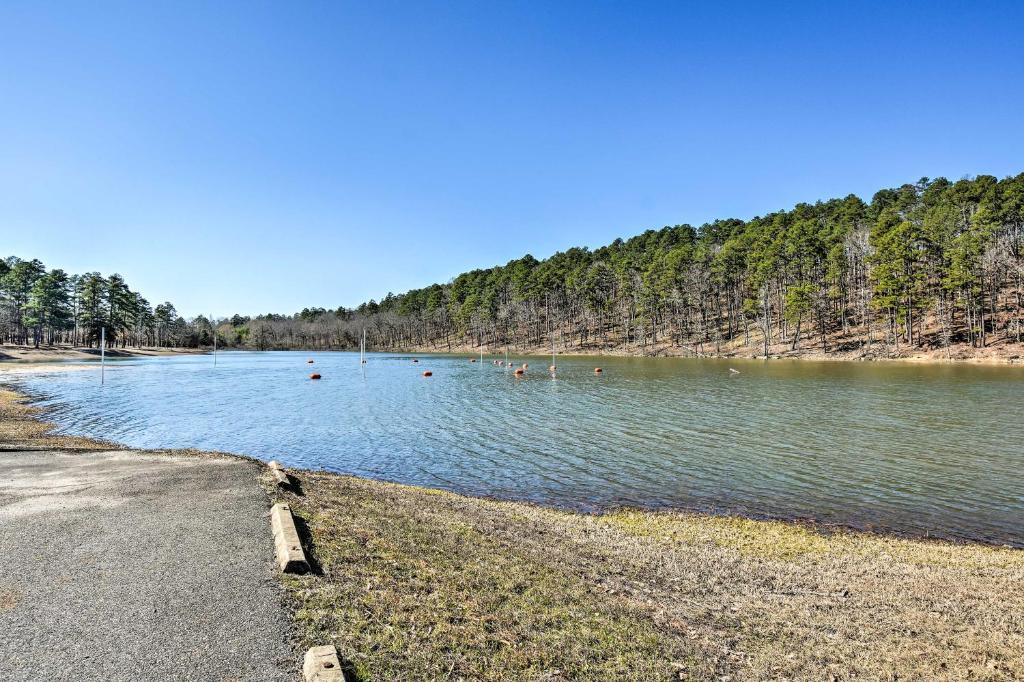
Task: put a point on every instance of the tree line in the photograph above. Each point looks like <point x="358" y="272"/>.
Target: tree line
<point x="931" y="264"/>
<point x="48" y="307"/>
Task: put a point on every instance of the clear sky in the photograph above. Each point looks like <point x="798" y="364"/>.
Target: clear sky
<point x="248" y="157"/>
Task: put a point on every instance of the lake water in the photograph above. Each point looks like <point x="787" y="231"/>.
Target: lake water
<point x="919" y="449"/>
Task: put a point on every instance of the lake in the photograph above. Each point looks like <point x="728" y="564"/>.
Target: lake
<point x="918" y="449"/>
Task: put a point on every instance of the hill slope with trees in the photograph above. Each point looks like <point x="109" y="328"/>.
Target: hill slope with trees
<point x="931" y="265"/>
<point x="935" y="265"/>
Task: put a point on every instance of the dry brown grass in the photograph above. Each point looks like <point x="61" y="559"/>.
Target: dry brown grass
<point x="424" y="585"/>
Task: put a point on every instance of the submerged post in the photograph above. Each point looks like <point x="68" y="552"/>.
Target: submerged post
<point x="103" y="352"/>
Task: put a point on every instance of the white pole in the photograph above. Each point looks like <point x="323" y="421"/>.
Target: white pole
<point x="553" y="353"/>
<point x="103" y="352"/>
<point x="214" y="331"/>
<point x="551" y="333"/>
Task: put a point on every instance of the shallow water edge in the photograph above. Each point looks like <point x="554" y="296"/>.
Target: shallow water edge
<point x="24" y="425"/>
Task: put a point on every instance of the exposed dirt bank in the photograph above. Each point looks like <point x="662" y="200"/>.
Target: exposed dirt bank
<point x="999" y="353"/>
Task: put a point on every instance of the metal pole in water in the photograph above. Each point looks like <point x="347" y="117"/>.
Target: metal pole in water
<point x="103" y="352"/>
<point x="551" y="334"/>
<point x="553" y="366"/>
<point x="214" y="332"/>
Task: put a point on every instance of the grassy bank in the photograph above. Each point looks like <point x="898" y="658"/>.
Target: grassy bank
<point x="418" y="584"/>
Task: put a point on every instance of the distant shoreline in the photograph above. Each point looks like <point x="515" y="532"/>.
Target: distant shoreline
<point x="962" y="355"/>
<point x="23" y="354"/>
<point x="923" y="358"/>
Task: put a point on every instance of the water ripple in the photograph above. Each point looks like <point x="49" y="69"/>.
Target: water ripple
<point x="918" y="449"/>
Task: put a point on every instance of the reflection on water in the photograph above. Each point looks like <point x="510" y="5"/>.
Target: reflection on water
<point x="912" y="448"/>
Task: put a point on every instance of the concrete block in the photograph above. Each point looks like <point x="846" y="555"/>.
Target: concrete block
<point x="278" y="473"/>
<point x="290" y="556"/>
<point x="322" y="665"/>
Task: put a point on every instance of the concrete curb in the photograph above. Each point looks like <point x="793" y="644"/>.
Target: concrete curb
<point x="290" y="556"/>
<point x="322" y="665"/>
<point x="279" y="475"/>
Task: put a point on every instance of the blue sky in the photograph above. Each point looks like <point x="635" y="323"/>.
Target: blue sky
<point x="259" y="157"/>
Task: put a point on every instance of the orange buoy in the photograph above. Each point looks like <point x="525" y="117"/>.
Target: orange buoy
<point x="314" y="376"/>
<point x="597" y="370"/>
<point x="428" y="373"/>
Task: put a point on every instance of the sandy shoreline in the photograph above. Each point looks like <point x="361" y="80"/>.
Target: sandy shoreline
<point x="22" y="354"/>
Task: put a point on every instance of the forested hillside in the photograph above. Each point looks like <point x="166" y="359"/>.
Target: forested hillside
<point x="933" y="264"/>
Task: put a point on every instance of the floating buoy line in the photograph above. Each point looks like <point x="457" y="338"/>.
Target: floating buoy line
<point x="518" y="371"/>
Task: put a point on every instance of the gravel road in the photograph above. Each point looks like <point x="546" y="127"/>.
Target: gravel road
<point x="128" y="566"/>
